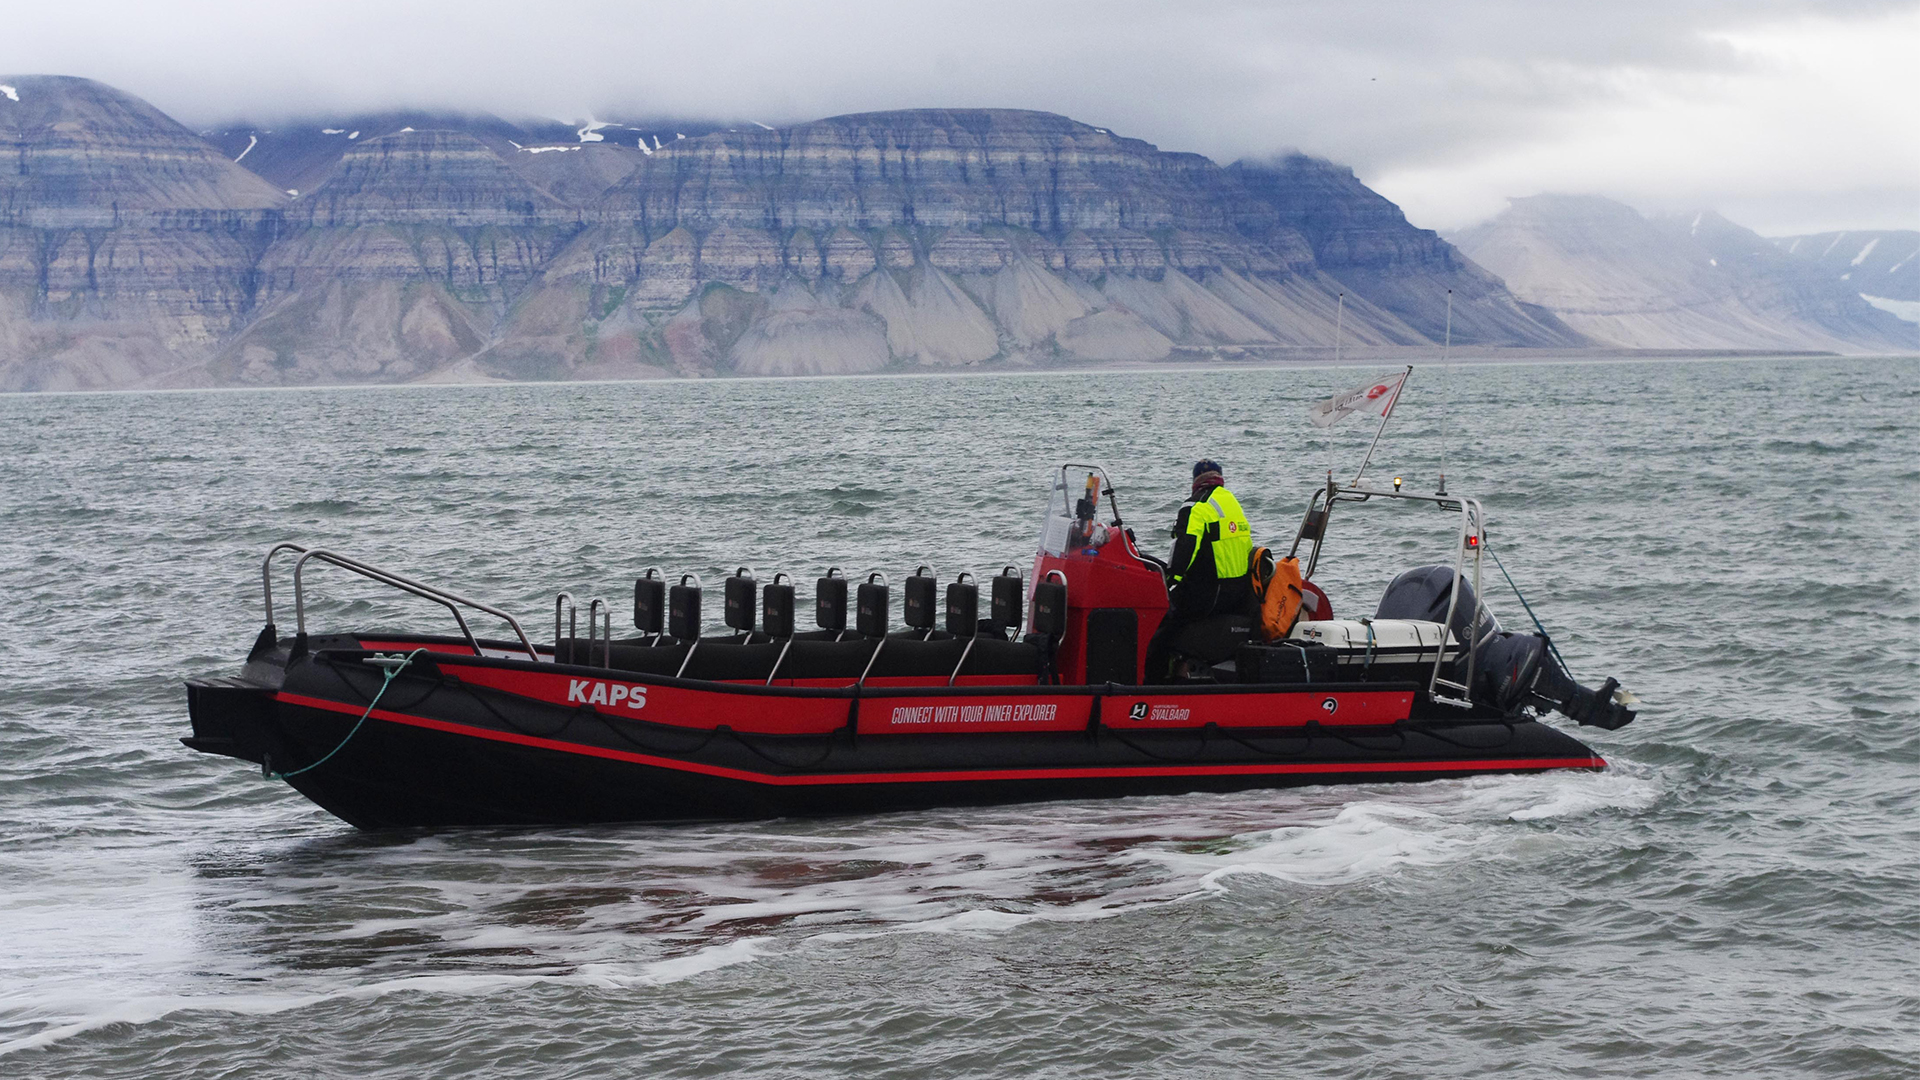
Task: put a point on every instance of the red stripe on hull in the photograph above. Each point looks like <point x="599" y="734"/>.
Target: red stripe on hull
<point x="384" y="645"/>
<point x="934" y="710"/>
<point x="819" y="779"/>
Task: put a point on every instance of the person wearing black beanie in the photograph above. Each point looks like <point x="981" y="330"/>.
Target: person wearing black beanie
<point x="1213" y="545"/>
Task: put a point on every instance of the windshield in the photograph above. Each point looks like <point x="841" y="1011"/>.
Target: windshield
<point x="1074" y="510"/>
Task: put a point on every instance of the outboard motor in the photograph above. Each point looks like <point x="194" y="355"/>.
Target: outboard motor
<point x="1424" y="592"/>
<point x="1511" y="670"/>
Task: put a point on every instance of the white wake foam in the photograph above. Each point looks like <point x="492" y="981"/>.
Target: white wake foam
<point x="650" y="907"/>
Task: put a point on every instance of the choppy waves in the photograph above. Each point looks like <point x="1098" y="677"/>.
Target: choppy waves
<point x="1738" y="895"/>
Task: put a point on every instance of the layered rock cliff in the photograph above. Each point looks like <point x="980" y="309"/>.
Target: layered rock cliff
<point x="1882" y="266"/>
<point x="84" y="155"/>
<point x="126" y="241"/>
<point x="403" y="260"/>
<point x="1692" y="282"/>
<point x="133" y="252"/>
<point x="936" y="237"/>
<point x="1366" y="242"/>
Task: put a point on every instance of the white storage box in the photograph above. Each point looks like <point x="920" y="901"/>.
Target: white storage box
<point x="1380" y="635"/>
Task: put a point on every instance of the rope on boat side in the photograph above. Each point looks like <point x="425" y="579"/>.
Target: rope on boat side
<point x="825" y="752"/>
<point x="386" y="681"/>
<point x="1433" y="733"/>
<point x="1121" y="738"/>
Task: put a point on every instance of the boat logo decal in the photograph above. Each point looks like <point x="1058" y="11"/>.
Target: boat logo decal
<point x="1160" y="713"/>
<point x="1138" y="712"/>
<point x="1331" y="706"/>
<point x="595" y="692"/>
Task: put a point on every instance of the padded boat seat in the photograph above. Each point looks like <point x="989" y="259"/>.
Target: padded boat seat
<point x="726" y="659"/>
<point x="1214" y="638"/>
<point x="919" y="635"/>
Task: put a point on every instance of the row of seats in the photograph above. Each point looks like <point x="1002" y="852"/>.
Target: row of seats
<point x="675" y="610"/>
<point x="669" y="619"/>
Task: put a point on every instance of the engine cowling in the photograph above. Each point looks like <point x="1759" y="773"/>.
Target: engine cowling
<point x="1511" y="670"/>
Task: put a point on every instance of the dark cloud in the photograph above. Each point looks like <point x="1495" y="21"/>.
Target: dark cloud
<point x="1391" y="88"/>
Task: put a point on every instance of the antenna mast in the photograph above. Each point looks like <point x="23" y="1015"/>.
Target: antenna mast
<point x="1339" y="324"/>
<point x="1446" y="403"/>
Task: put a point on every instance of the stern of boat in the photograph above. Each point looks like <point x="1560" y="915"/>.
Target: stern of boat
<point x="231" y="716"/>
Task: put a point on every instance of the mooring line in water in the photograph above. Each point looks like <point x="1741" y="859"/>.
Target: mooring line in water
<point x="385" y="682"/>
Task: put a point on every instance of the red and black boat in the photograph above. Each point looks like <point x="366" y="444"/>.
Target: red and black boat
<point x="1037" y="696"/>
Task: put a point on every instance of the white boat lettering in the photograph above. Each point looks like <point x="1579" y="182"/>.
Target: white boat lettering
<point x="908" y="715"/>
<point x="1169" y="712"/>
<point x="594" y="692"/>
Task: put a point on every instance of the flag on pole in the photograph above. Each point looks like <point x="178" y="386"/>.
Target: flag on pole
<point x="1375" y="397"/>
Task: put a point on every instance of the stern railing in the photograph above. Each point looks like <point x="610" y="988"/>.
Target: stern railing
<point x="1471" y="540"/>
<point x="453" y="602"/>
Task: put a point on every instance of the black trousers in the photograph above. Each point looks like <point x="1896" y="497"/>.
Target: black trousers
<point x="1191" y="601"/>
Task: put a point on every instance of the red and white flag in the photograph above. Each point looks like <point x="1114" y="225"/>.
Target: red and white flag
<point x="1375" y="397"/>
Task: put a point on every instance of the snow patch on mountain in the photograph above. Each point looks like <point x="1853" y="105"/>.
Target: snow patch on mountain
<point x="1900" y="309"/>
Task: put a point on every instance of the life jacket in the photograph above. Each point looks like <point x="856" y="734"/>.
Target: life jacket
<point x="1280" y="600"/>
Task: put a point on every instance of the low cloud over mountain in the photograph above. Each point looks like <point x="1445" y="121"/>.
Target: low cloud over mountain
<point x="1693" y="281"/>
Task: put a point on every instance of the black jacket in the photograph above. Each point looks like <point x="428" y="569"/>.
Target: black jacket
<point x="1198" y="565"/>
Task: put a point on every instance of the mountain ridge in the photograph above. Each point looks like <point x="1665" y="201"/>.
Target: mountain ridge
<point x="915" y="238"/>
<point x="410" y="245"/>
<point x="1694" y="281"/>
<point x="86" y="155"/>
<point x="1882" y="266"/>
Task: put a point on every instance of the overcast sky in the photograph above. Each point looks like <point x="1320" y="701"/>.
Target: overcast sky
<point x="1786" y="115"/>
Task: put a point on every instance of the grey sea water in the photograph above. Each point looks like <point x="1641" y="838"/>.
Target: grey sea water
<point x="1738" y="895"/>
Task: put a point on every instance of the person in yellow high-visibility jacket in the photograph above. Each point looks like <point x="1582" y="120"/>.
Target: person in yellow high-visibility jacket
<point x="1213" y="545"/>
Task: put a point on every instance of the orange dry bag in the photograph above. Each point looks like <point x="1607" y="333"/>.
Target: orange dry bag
<point x="1260" y="571"/>
<point x="1280" y="605"/>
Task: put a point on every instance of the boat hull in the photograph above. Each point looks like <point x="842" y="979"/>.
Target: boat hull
<point x="464" y="740"/>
